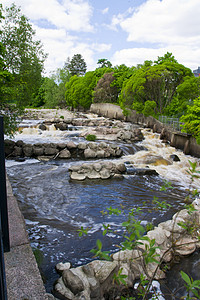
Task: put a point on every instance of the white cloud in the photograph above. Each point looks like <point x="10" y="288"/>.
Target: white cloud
<point x="164" y="22"/>
<point x="67" y="14"/>
<point x="133" y="56"/>
<point x="105" y="10"/>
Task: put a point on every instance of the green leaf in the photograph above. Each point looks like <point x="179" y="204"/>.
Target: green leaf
<point x="185" y="277"/>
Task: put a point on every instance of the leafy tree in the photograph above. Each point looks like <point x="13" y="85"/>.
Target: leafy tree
<point x="24" y="56"/>
<point x="79" y="90"/>
<point x="7" y="109"/>
<point x="76" y="65"/>
<point x="155" y="82"/>
<point x="104" y="92"/>
<point x="104" y="63"/>
<point x="191" y="119"/>
<point x="186" y="92"/>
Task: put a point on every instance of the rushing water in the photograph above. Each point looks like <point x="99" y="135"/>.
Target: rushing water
<point x="55" y="207"/>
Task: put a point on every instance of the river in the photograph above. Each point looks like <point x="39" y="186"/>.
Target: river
<point x="54" y="207"/>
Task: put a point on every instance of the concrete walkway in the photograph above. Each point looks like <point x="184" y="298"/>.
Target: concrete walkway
<point x="22" y="274"/>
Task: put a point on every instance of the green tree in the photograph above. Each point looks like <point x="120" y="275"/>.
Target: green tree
<point x="24" y="56"/>
<point x="104" y="63"/>
<point x="191" y="119"/>
<point x="79" y="90"/>
<point x="155" y="82"/>
<point x="186" y="92"/>
<point x="76" y="66"/>
<point x="7" y="109"/>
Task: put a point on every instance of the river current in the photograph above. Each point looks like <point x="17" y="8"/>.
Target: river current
<point x="55" y="208"/>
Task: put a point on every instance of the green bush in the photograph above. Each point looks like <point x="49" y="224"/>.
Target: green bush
<point x="91" y="137"/>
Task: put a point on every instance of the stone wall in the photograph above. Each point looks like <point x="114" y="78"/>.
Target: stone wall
<point x="68" y="150"/>
<point x="178" y="140"/>
<point x="95" y="280"/>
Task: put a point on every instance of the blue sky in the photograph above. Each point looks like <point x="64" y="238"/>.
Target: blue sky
<point x="123" y="31"/>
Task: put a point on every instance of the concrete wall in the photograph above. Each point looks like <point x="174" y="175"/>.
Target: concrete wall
<point x="178" y="140"/>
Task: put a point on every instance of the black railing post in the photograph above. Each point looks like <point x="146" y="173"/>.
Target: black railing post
<point x="3" y="194"/>
<point x="3" y="288"/>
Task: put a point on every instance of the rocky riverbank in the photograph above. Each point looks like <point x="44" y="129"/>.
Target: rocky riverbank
<point x="94" y="281"/>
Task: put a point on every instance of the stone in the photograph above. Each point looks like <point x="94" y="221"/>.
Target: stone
<point x="126" y="255"/>
<point x="142" y="171"/>
<point x="64" y="154"/>
<point x="28" y="150"/>
<point x="92" y="145"/>
<point x="38" y="150"/>
<point x="97" y="167"/>
<point x="121" y="167"/>
<point x="100" y="154"/>
<point x="93" y="175"/>
<point x="76" y="176"/>
<point x="158" y="234"/>
<point x="89" y="153"/>
<point x="174" y="157"/>
<point x="19" y="143"/>
<point x="82" y="146"/>
<point x="103" y="270"/>
<point x="42" y="127"/>
<point x="71" y="145"/>
<point x="60" y="267"/>
<point x="105" y="174"/>
<point x="61" y="126"/>
<point x="61" y="290"/>
<point x="50" y="149"/>
<point x="185" y="246"/>
<point x="61" y="146"/>
<point x="17" y="151"/>
<point x="72" y="281"/>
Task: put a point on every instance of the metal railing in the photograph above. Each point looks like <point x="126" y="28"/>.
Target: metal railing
<point x="172" y="122"/>
<point x="4" y="229"/>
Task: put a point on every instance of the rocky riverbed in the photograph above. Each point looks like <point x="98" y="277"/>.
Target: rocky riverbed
<point x="55" y="204"/>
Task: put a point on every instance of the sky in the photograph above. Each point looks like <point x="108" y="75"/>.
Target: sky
<point x="122" y="31"/>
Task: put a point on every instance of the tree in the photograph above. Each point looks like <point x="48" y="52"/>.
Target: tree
<point x="155" y="82"/>
<point x="186" y="92"/>
<point x="104" y="63"/>
<point x="191" y="119"/>
<point x="24" y="56"/>
<point x="104" y="92"/>
<point x="76" y="65"/>
<point x="7" y="109"/>
<point x="79" y="90"/>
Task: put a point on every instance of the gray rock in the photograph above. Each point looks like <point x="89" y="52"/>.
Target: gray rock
<point x="72" y="281"/>
<point x="60" y="267"/>
<point x="71" y="145"/>
<point x="28" y="150"/>
<point x="64" y="154"/>
<point x="100" y="154"/>
<point x="50" y="149"/>
<point x="38" y="150"/>
<point x="77" y="176"/>
<point x="82" y="146"/>
<point x="174" y="157"/>
<point x="42" y="127"/>
<point x="89" y="153"/>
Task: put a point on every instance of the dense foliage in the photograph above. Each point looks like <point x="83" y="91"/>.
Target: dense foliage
<point x="191" y="119"/>
<point x="21" y="65"/>
<point x="156" y="82"/>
